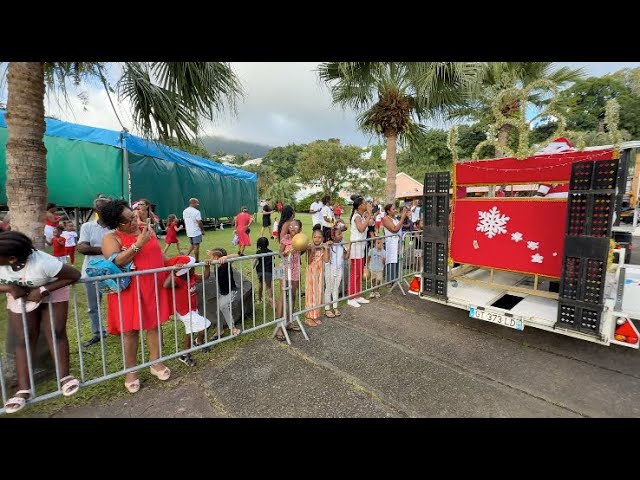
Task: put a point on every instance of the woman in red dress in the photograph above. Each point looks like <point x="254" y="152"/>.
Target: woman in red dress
<point x="243" y="220"/>
<point x="140" y="311"/>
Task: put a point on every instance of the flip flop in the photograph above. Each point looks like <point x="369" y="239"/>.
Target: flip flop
<point x="281" y="338"/>
<point x="19" y="402"/>
<point x="329" y="314"/>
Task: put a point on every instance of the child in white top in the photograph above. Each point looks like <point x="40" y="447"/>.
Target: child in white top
<point x="334" y="271"/>
<point x="71" y="240"/>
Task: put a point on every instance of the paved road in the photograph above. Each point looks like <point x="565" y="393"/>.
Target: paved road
<point x="397" y="357"/>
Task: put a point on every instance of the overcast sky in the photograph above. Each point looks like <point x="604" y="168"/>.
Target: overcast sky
<point x="284" y="103"/>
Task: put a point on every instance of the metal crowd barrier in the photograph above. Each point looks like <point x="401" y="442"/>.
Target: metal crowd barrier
<point x="104" y="360"/>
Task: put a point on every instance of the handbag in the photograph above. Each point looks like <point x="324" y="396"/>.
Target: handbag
<point x="247" y="230"/>
<point x="99" y="266"/>
<point x="234" y="239"/>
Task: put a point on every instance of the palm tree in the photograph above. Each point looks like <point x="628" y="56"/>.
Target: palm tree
<point x="168" y="100"/>
<point x="393" y="98"/>
<point x="499" y="76"/>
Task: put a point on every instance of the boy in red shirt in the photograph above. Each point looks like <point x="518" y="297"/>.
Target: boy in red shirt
<point x="186" y="301"/>
<point x="58" y="242"/>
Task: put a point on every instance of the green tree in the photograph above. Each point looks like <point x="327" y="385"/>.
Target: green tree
<point x="283" y="191"/>
<point x="168" y="100"/>
<point x="432" y="154"/>
<point x="499" y="76"/>
<point x="393" y="98"/>
<point x="266" y="177"/>
<point x="469" y="136"/>
<point x="329" y="164"/>
<point x="630" y="78"/>
<point x="584" y="104"/>
<point x="283" y="159"/>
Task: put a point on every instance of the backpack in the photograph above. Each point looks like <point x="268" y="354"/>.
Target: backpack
<point x="99" y="266"/>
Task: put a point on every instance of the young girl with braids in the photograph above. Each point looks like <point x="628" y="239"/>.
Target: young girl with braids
<point x="317" y="254"/>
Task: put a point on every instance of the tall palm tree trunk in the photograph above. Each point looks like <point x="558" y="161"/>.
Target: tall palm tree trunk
<point x="392" y="168"/>
<point x="26" y="181"/>
<point x="26" y="153"/>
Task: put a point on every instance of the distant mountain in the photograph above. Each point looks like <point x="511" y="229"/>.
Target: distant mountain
<point x="214" y="144"/>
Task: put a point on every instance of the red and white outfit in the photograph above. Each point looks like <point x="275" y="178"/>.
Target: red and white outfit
<point x="49" y="226"/>
<point x="71" y="240"/>
<point x="59" y="250"/>
<point x="356" y="256"/>
<point x="186" y="304"/>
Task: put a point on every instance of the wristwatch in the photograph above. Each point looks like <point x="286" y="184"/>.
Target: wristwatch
<point x="44" y="292"/>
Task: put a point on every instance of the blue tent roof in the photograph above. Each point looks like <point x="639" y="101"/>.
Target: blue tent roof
<point x="134" y="144"/>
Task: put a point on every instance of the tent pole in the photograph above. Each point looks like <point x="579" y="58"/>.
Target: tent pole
<point x="125" y="168"/>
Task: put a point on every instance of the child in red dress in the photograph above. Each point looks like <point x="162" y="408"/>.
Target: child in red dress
<point x="172" y="233"/>
<point x="59" y="250"/>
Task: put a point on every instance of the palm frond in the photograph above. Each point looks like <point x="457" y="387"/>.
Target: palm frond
<point x="183" y="95"/>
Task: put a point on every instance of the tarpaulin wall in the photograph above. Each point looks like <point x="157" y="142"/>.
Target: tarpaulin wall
<point x="76" y="171"/>
<point x="84" y="161"/>
<point x="170" y="186"/>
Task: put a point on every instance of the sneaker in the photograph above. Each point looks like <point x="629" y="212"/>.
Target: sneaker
<point x="362" y="300"/>
<point x="353" y="303"/>
<point x="187" y="360"/>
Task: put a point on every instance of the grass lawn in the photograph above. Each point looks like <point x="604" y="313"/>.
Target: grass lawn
<point x="95" y="364"/>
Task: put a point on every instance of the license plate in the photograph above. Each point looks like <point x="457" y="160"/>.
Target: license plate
<point x="496" y="317"/>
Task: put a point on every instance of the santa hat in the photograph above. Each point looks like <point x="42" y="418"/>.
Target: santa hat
<point x="184" y="260"/>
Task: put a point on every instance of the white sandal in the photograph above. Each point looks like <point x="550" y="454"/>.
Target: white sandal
<point x="69" y="385"/>
<point x="19" y="402"/>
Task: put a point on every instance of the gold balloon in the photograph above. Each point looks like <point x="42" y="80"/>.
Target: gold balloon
<point x="300" y="242"/>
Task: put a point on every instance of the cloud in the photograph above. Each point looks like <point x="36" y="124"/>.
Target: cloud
<point x="284" y="102"/>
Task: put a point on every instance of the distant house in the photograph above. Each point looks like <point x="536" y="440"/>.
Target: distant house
<point x="407" y="186"/>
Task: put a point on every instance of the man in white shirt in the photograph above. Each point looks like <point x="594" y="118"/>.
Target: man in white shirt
<point x="90" y="245"/>
<point x="315" y="211"/>
<point x="193" y="226"/>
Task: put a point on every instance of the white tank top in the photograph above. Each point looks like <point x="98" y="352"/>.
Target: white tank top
<point x="391" y="243"/>
<point x="357" y="249"/>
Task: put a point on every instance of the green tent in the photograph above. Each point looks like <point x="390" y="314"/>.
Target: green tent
<point x="84" y="161"/>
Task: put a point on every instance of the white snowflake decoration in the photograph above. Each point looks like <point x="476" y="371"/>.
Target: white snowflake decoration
<point x="533" y="245"/>
<point x="516" y="237"/>
<point x="492" y="223"/>
<point x="555" y="254"/>
<point x="537" y="258"/>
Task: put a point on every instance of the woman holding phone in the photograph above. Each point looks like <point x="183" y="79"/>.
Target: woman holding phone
<point x="144" y="305"/>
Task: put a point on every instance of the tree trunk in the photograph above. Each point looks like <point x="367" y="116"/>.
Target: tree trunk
<point x="392" y="168"/>
<point x="26" y="153"/>
<point x="503" y="137"/>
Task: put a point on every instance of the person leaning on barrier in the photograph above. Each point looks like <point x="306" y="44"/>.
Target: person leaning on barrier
<point x="90" y="245"/>
<point x="32" y="280"/>
<point x="140" y="309"/>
